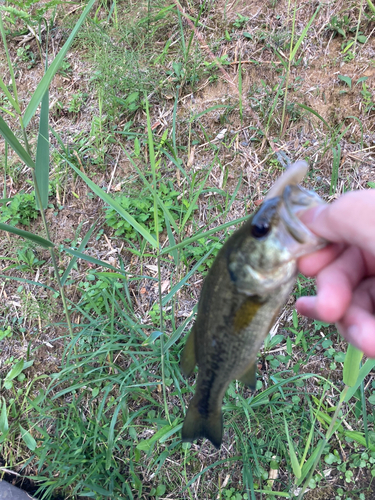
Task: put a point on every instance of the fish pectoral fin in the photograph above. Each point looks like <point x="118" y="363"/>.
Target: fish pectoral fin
<point x="188" y="359"/>
<point x="249" y="378"/>
<point x="197" y="425"/>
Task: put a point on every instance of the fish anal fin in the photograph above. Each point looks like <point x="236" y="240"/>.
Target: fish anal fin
<point x="188" y="358"/>
<point x="249" y="378"/>
<point x="197" y="425"/>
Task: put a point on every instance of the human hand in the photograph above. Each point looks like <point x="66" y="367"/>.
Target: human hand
<point x="344" y="270"/>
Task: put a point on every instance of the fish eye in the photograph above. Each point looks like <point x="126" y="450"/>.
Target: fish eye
<point x="260" y="230"/>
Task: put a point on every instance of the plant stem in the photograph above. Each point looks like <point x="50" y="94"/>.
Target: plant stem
<point x="288" y="70"/>
<point x="325" y="440"/>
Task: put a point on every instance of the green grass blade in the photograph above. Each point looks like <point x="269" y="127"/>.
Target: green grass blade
<point x="363" y="372"/>
<point x="177" y="334"/>
<point x="371" y="6"/>
<point x="9" y="96"/>
<point x="5" y="200"/>
<point x="204" y="235"/>
<point x="52" y="70"/>
<point x="172" y="241"/>
<point x="351" y="365"/>
<point x="25" y="234"/>
<point x="276" y="98"/>
<point x="180" y="284"/>
<point x="4" y="425"/>
<point x="364" y="414"/>
<point x="75" y="257"/>
<point x="116" y="206"/>
<point x="281" y="59"/>
<point x="15" y="144"/>
<point x="92" y="260"/>
<point x="208" y="110"/>
<point x="240" y="103"/>
<point x="10" y="67"/>
<point x="42" y="152"/>
<point x="293" y="457"/>
<point x="30" y="282"/>
<point x="174" y="119"/>
<point x="208" y="467"/>
<point x="303" y="34"/>
<point x="167" y="213"/>
<point x="314" y="113"/>
<point x="27" y="438"/>
<point x="336" y="152"/>
<point x="111" y="438"/>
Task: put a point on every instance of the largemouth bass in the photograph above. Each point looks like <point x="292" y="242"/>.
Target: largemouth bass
<point x="248" y="283"/>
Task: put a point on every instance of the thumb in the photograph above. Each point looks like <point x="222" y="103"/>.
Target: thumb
<point x="349" y="219"/>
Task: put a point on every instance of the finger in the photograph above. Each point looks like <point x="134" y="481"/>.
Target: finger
<point x="358" y="327"/>
<point x="307" y="307"/>
<point x="312" y="264"/>
<point x="364" y="295"/>
<point x="335" y="284"/>
<point x="350" y="219"/>
<point x="358" y="323"/>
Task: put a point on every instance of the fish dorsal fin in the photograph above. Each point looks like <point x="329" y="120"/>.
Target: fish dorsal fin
<point x="188" y="358"/>
<point x="249" y="378"/>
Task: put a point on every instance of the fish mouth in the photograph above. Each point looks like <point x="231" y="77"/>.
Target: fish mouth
<point x="292" y="176"/>
<point x="296" y="199"/>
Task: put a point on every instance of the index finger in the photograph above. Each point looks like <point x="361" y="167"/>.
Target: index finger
<point x="350" y="219"/>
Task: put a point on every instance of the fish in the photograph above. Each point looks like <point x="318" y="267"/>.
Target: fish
<point x="246" y="287"/>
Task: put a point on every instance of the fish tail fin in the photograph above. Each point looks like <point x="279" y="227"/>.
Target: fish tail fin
<point x="197" y="425"/>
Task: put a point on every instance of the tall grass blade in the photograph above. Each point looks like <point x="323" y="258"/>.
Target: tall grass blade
<point x="42" y="152"/>
<point x="179" y="285"/>
<point x="177" y="334"/>
<point x="29" y="236"/>
<point x="335" y="169"/>
<point x="293" y="457"/>
<point x="52" y="70"/>
<point x="351" y="365"/>
<point x="10" y="67"/>
<point x="303" y="34"/>
<point x="208" y="110"/>
<point x="9" y="96"/>
<point x="4" y="425"/>
<point x="116" y="206"/>
<point x="312" y="111"/>
<point x="5" y="200"/>
<point x="364" y="414"/>
<point x="30" y="282"/>
<point x="15" y="144"/>
<point x="363" y="372"/>
<point x="197" y="236"/>
<point x="90" y="259"/>
<point x="81" y="247"/>
<point x="240" y="90"/>
<point x="111" y="438"/>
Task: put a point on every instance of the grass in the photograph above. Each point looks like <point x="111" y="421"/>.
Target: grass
<point x="166" y="128"/>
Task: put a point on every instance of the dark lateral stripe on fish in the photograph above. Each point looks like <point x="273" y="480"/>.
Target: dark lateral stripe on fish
<point x="245" y="314"/>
